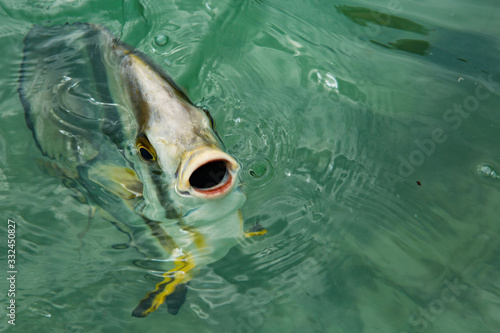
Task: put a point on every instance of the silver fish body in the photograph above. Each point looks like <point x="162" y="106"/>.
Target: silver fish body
<point x="117" y="129"/>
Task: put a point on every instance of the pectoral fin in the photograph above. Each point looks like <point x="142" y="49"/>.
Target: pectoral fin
<point x="169" y="290"/>
<point x="256" y="230"/>
<point x="176" y="299"/>
<point x="119" y="180"/>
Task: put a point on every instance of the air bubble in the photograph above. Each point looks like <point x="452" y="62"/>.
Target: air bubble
<point x="324" y="79"/>
<point x="161" y="40"/>
<point x="487" y="171"/>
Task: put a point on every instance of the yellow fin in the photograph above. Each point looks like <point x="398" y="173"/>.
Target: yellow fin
<point x="196" y="236"/>
<point x="119" y="180"/>
<point x="256" y="230"/>
<point x="171" y="280"/>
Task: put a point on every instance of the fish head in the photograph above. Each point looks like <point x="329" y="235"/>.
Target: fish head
<point x="188" y="154"/>
<point x="176" y="139"/>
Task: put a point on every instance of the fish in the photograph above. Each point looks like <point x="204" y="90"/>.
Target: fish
<point x="119" y="132"/>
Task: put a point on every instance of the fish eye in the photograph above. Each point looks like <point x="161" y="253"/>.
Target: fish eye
<point x="146" y="154"/>
<point x="145" y="149"/>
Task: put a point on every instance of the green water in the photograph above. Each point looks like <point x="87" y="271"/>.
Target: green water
<point x="368" y="135"/>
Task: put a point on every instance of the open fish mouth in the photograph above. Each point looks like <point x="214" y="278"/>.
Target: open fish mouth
<point x="208" y="173"/>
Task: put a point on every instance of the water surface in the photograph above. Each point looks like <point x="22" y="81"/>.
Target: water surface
<point x="368" y="136"/>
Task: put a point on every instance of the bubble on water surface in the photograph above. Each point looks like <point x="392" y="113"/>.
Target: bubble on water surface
<point x="324" y="79"/>
<point x="487" y="171"/>
<point x="161" y="39"/>
<point x="160" y="42"/>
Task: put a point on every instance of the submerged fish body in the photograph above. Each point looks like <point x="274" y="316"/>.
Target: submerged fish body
<point x="116" y="128"/>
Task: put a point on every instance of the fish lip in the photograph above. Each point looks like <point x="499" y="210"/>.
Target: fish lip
<point x="199" y="158"/>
